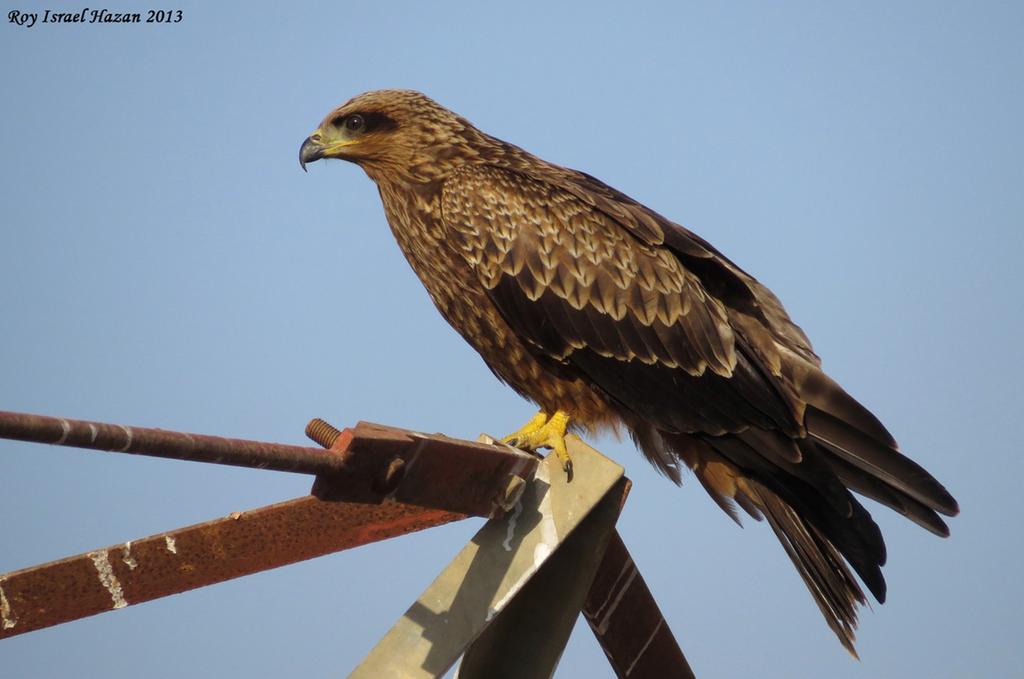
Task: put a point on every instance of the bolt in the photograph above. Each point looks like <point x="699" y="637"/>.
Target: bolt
<point x="322" y="432"/>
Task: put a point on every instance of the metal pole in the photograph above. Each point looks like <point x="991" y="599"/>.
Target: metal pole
<point x="120" y="438"/>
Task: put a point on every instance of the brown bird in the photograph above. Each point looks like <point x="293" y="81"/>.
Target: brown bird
<point x="606" y="314"/>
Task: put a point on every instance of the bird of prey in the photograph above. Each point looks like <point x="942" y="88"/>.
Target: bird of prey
<point x="608" y="315"/>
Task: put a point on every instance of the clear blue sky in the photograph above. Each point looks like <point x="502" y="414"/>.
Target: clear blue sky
<point x="165" y="262"/>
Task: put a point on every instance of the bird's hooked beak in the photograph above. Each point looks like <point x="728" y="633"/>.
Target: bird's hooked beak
<point x="311" y="150"/>
<point x="325" y="143"/>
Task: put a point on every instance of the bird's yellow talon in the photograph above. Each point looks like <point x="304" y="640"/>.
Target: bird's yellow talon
<point x="522" y="437"/>
<point x="544" y="432"/>
<point x="563" y="456"/>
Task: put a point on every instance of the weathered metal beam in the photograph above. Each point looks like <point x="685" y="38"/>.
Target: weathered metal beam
<point x="168" y="563"/>
<point x="627" y="622"/>
<point x="527" y="639"/>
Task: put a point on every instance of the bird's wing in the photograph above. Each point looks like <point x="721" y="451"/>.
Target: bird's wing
<point x="625" y="313"/>
<point x="737" y="289"/>
<point x="869" y="454"/>
<point x="856" y="446"/>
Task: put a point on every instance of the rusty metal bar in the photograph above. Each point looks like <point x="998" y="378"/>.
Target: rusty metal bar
<point x="239" y="544"/>
<point x="627" y="622"/>
<point x="177" y="445"/>
<point x="366" y="464"/>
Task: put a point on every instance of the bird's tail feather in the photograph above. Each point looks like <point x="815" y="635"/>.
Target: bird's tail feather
<point x="802" y="486"/>
<point x="819" y="539"/>
<point x="820" y="565"/>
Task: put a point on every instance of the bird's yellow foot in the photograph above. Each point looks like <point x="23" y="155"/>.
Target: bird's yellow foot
<point x="544" y="432"/>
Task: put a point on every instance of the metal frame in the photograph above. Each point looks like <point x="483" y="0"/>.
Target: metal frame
<point x="506" y="603"/>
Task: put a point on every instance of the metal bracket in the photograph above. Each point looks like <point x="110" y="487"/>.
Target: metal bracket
<point x="492" y="570"/>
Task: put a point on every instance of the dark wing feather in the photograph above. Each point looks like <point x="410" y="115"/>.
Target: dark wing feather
<point x="723" y="279"/>
<point x="879" y="461"/>
<point x="870" y="486"/>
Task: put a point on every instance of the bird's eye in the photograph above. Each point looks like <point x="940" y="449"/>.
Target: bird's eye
<point x="354" y="123"/>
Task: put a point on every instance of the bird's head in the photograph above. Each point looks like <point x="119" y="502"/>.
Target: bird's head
<point x="394" y="133"/>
